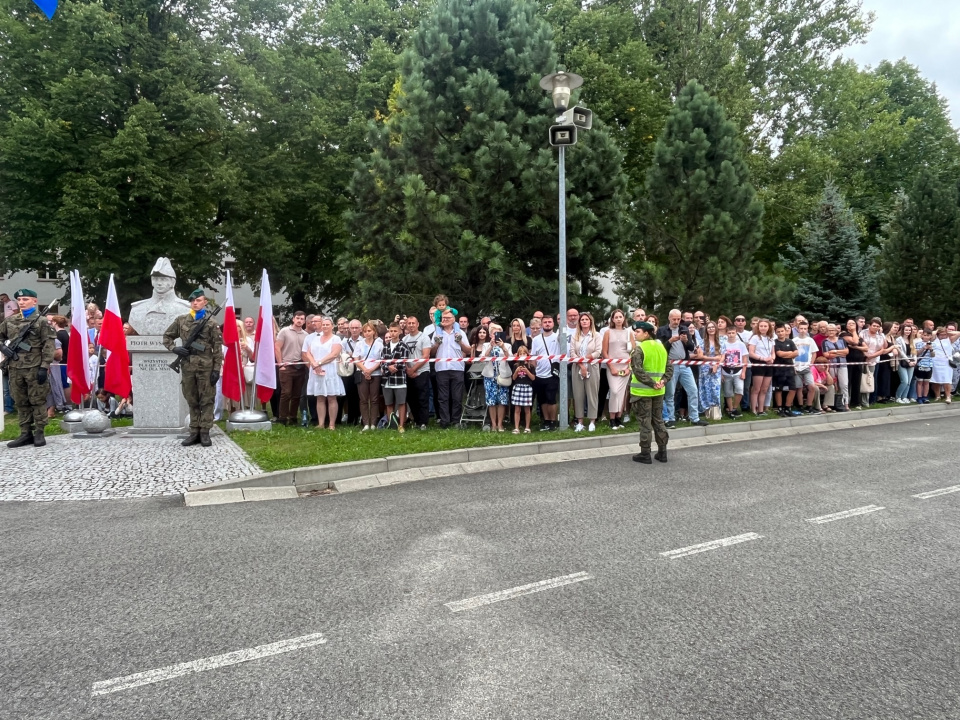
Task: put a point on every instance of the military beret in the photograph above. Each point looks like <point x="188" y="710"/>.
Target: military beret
<point x="644" y="326"/>
<point x="197" y="293"/>
<point x="24" y="293"/>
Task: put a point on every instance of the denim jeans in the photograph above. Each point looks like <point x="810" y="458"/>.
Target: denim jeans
<point x="7" y="398"/>
<point x="906" y="375"/>
<point x="682" y="374"/>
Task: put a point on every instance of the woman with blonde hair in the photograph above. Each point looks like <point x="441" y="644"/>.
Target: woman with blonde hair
<point x="366" y="358"/>
<point x="761" y="349"/>
<point x="517" y="336"/>
<point x="618" y="343"/>
<point x="586" y="343"/>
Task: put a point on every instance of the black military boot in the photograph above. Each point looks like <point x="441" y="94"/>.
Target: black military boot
<point x="643" y="457"/>
<point x="205" y="438"/>
<point x="26" y="438"/>
<point x="193" y="439"/>
<point x="661" y="454"/>
<point x="38" y="439"/>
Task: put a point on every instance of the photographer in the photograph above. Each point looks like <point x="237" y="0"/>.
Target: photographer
<point x="677" y="338"/>
<point x="450" y="346"/>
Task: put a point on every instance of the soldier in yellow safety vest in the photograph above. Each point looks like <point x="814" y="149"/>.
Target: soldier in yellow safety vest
<point x="651" y="373"/>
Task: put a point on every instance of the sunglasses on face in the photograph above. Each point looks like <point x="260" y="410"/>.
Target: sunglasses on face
<point x="740" y="320"/>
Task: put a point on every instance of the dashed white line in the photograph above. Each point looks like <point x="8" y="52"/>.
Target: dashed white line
<point x="128" y="682"/>
<point x="712" y="545"/>
<point x="941" y="491"/>
<point x="845" y="514"/>
<point x="479" y="600"/>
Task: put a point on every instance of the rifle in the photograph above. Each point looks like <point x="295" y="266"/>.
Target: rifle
<point x="191" y="342"/>
<point x="10" y="350"/>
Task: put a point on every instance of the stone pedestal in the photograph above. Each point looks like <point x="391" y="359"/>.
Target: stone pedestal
<point x="158" y="402"/>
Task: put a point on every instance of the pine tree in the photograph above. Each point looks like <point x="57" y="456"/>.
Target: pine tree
<point x="460" y="192"/>
<point x="704" y="222"/>
<point x="836" y="277"/>
<point x="920" y="252"/>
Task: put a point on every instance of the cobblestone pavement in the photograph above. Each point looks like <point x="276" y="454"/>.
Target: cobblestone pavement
<point x="121" y="466"/>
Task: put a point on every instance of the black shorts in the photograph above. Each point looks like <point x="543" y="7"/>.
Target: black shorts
<point x="762" y="370"/>
<point x="923" y="373"/>
<point x="547" y="390"/>
<point x="783" y="380"/>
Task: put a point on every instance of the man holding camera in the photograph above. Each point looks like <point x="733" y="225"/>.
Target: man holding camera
<point x="27" y="362"/>
<point x="449" y="345"/>
<point x="677" y="338"/>
<point x="200" y="368"/>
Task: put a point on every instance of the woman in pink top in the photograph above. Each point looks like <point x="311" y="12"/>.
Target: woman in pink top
<point x="618" y="343"/>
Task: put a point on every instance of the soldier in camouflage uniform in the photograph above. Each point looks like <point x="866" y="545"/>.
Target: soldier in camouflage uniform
<point x="28" y="371"/>
<point x="200" y="369"/>
<point x="651" y="371"/>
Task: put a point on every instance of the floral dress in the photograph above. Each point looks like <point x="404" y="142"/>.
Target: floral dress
<point x="710" y="384"/>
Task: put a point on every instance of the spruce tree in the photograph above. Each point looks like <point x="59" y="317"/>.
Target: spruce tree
<point x="920" y="252"/>
<point x="704" y="221"/>
<point x="459" y="194"/>
<point x="836" y="277"/>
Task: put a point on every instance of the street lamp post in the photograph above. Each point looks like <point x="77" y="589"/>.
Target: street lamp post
<point x="560" y="85"/>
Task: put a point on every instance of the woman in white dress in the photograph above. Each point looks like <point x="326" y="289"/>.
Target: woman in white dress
<point x="321" y="352"/>
<point x="942" y="380"/>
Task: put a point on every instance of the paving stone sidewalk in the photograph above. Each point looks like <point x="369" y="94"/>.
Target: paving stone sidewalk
<point x="120" y="466"/>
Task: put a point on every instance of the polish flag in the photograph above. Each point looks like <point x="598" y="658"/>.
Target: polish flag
<point x="78" y="371"/>
<point x="116" y="375"/>
<point x="232" y="381"/>
<point x="266" y="376"/>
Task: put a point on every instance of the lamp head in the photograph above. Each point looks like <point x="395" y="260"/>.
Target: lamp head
<point x="560" y="85"/>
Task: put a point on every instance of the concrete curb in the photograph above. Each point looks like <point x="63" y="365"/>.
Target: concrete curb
<point x="394" y="470"/>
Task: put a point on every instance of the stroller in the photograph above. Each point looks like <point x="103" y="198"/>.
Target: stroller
<point x="474" y="400"/>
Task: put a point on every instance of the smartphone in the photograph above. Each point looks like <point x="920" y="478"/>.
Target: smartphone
<point x="498" y="336"/>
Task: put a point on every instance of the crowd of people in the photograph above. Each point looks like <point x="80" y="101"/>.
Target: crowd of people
<point x="401" y="374"/>
<point x="414" y="370"/>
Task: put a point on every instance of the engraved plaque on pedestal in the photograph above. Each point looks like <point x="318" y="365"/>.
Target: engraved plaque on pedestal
<point x="156" y="388"/>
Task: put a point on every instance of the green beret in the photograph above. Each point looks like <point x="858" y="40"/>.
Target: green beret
<point x="24" y="293"/>
<point x="197" y="293"/>
<point x="644" y="326"/>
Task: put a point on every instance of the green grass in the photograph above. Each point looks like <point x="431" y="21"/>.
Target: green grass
<point x="11" y="430"/>
<point x="283" y="448"/>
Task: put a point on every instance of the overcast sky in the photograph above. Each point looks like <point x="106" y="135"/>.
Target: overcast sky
<point x="926" y="32"/>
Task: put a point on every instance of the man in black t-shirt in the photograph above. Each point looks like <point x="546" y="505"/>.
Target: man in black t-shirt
<point x="785" y="350"/>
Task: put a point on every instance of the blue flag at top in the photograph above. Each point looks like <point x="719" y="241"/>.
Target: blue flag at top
<point x="49" y="7"/>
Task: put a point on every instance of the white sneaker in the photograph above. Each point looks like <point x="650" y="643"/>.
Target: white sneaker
<point x="591" y="427"/>
<point x="365" y="428"/>
<point x="626" y="419"/>
<point x="578" y="428"/>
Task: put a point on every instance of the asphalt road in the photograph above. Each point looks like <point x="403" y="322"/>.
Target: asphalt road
<point x="855" y="618"/>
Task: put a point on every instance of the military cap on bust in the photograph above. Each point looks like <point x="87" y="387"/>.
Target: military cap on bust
<point x="163" y="267"/>
<point x="644" y="326"/>
<point x="196" y="293"/>
<point x="24" y="293"/>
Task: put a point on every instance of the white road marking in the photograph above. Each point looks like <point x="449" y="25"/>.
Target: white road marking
<point x="712" y="545"/>
<point x="479" y="600"/>
<point x="941" y="491"/>
<point x="128" y="682"/>
<point x="845" y="514"/>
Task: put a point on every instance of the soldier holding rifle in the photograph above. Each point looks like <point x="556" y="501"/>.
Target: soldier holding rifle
<point x="27" y="351"/>
<point x="199" y="359"/>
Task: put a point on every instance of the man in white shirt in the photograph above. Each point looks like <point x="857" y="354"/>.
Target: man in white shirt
<point x="449" y="341"/>
<point x="573" y="317"/>
<point x="546" y="385"/>
<point x="807" y="347"/>
<point x="418" y="372"/>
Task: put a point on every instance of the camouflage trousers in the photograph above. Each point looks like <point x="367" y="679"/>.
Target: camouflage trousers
<point x="200" y="395"/>
<point x="649" y="411"/>
<point x="30" y="397"/>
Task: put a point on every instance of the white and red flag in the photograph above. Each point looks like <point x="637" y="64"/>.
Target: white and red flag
<point x="116" y="374"/>
<point x="232" y="380"/>
<point x="78" y="371"/>
<point x="266" y="374"/>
